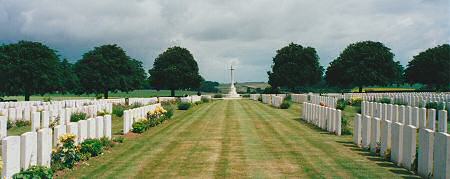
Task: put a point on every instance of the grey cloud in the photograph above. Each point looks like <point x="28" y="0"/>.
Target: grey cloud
<point x="218" y="33"/>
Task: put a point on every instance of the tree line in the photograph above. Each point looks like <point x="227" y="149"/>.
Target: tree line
<point x="30" y="68"/>
<point x="360" y="64"/>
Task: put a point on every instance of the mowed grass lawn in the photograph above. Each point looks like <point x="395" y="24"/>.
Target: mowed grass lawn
<point x="236" y="139"/>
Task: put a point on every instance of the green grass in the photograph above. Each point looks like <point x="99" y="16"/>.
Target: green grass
<point x="236" y="139"/>
<point x="135" y="93"/>
<point x="14" y="131"/>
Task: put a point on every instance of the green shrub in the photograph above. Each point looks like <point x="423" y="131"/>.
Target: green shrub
<point x="355" y="102"/>
<point x="385" y="100"/>
<point x="118" y="110"/>
<point x="288" y="98"/>
<point x="22" y="123"/>
<point x="206" y="100"/>
<point x="169" y="112"/>
<point x="78" y="116"/>
<point x="47" y="99"/>
<point x="139" y="127"/>
<point x="101" y="113"/>
<point x="93" y="147"/>
<point x="435" y="105"/>
<point x="345" y="122"/>
<point x="341" y="104"/>
<point x="33" y="172"/>
<point x="399" y="102"/>
<point x="285" y="105"/>
<point x="198" y="102"/>
<point x="259" y="98"/>
<point x="246" y="95"/>
<point x="218" y="96"/>
<point x="106" y="143"/>
<point x="135" y="105"/>
<point x="118" y="139"/>
<point x="66" y="154"/>
<point x="184" y="106"/>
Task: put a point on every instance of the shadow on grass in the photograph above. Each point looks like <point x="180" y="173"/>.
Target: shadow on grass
<point x="380" y="161"/>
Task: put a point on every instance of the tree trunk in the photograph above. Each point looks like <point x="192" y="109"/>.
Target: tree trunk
<point x="172" y="93"/>
<point x="360" y="89"/>
<point x="27" y="97"/>
<point x="105" y="94"/>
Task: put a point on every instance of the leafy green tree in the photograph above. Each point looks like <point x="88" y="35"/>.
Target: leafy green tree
<point x="175" y="69"/>
<point x="209" y="86"/>
<point x="70" y="81"/>
<point x="364" y="64"/>
<point x="295" y="66"/>
<point x="108" y="69"/>
<point x="431" y="67"/>
<point x="28" y="68"/>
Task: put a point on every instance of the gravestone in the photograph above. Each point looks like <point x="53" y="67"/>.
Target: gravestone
<point x="35" y="121"/>
<point x="409" y="146"/>
<point x="3" y="127"/>
<point x="10" y="156"/>
<point x="92" y="133"/>
<point x="442" y="127"/>
<point x="397" y="143"/>
<point x="365" y="131"/>
<point x="45" y="119"/>
<point x="82" y="130"/>
<point x="425" y="154"/>
<point x="99" y="126"/>
<point x="44" y="147"/>
<point x="357" y="130"/>
<point x="441" y="155"/>
<point x="72" y="128"/>
<point x="58" y="131"/>
<point x="385" y="137"/>
<point x="107" y="126"/>
<point x="28" y="150"/>
<point x="375" y="134"/>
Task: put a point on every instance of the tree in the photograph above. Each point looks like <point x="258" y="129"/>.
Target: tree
<point x="209" y="86"/>
<point x="70" y="82"/>
<point x="175" y="69"/>
<point x="295" y="66"/>
<point x="431" y="67"/>
<point x="363" y="64"/>
<point x="108" y="68"/>
<point x="28" y="68"/>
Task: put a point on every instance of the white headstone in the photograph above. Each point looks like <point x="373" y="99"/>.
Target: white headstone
<point x="431" y="119"/>
<point x="365" y="131"/>
<point x="397" y="143"/>
<point x="425" y="154"/>
<point x="82" y="130"/>
<point x="441" y="155"/>
<point x="409" y="146"/>
<point x="28" y="149"/>
<point x="385" y="137"/>
<point x="375" y="134"/>
<point x="10" y="156"/>
<point x="338" y="121"/>
<point x="45" y="119"/>
<point x="35" y="121"/>
<point x="357" y="130"/>
<point x="3" y="127"/>
<point x="442" y="127"/>
<point x="44" y="147"/>
<point x="58" y="131"/>
<point x="99" y="126"/>
<point x="107" y="122"/>
<point x="91" y="134"/>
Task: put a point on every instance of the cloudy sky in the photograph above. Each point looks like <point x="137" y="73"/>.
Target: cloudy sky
<point x="221" y="32"/>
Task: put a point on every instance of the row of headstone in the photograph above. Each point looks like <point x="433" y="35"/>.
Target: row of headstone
<point x="255" y="97"/>
<point x="418" y="117"/>
<point x="35" y="148"/>
<point x="323" y="100"/>
<point x="25" y="113"/>
<point x="132" y="115"/>
<point x="276" y="101"/>
<point x="191" y="99"/>
<point x="419" y="99"/>
<point x="326" y="118"/>
<point x="397" y="137"/>
<point x="143" y="101"/>
<point x="166" y="99"/>
<point x="299" y="98"/>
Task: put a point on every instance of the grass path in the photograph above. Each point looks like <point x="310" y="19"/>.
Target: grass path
<point x="237" y="139"/>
